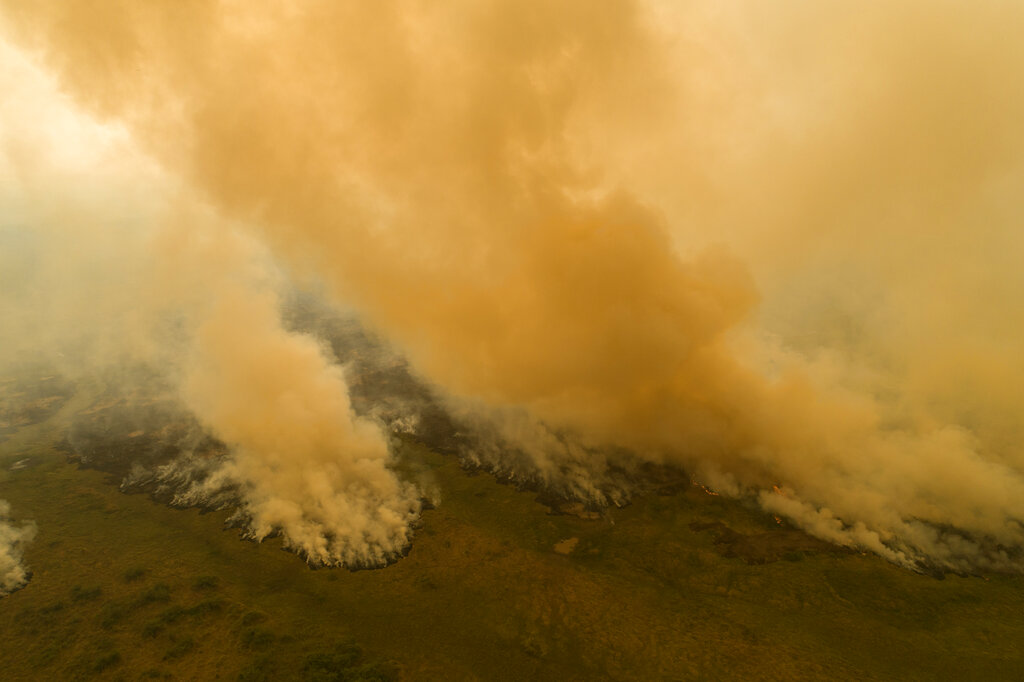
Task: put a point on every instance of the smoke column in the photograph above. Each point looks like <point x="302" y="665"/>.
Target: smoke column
<point x="112" y="271"/>
<point x="777" y="247"/>
<point x="305" y="465"/>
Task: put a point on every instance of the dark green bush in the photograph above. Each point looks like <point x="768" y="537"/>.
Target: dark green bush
<point x="79" y="593"/>
<point x="205" y="582"/>
<point x="259" y="670"/>
<point x="345" y="664"/>
<point x="161" y="592"/>
<point x="111" y="614"/>
<point x="172" y="615"/>
<point x="107" y="660"/>
<point x="152" y="628"/>
<point x="206" y="607"/>
<point x="133" y="574"/>
<point x="257" y="639"/>
<point x="253" y="617"/>
<point x="180" y="648"/>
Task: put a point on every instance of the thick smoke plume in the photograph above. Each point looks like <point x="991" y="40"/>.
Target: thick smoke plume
<point x="129" y="284"/>
<point x="12" y="544"/>
<point x="305" y="464"/>
<point x="776" y="246"/>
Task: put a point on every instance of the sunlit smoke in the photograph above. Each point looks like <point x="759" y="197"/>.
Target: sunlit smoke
<point x="306" y="466"/>
<point x="777" y="247"/>
<point x="131" y="284"/>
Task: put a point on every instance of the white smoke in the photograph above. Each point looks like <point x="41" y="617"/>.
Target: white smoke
<point x="12" y="546"/>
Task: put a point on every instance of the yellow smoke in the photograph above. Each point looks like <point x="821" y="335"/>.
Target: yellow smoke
<point x="304" y="464"/>
<point x="775" y="245"/>
<point x="108" y="268"/>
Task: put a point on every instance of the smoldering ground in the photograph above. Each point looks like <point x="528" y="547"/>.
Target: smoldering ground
<point x="776" y="248"/>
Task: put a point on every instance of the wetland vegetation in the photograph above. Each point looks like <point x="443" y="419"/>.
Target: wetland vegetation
<point x="500" y="584"/>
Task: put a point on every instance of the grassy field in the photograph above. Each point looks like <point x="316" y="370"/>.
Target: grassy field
<point x="494" y="588"/>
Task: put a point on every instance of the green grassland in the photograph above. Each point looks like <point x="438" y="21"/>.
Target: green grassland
<point x="495" y="587"/>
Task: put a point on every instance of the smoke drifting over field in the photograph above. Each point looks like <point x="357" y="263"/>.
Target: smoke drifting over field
<point x="12" y="542"/>
<point x="777" y="247"/>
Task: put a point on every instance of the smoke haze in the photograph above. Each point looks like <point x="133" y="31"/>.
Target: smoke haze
<point x="776" y="247"/>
